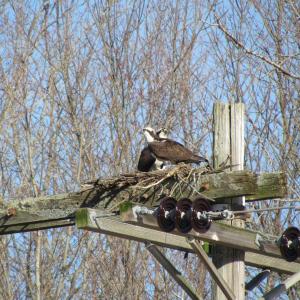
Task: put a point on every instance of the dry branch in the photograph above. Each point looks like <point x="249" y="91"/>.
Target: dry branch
<point x="251" y="52"/>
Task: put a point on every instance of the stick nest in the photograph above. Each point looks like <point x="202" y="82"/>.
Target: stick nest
<point x="145" y="180"/>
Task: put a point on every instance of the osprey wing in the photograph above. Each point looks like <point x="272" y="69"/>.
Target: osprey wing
<point x="146" y="160"/>
<point x="169" y="150"/>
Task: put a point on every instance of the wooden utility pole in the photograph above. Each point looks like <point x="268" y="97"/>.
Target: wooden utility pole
<point x="229" y="142"/>
<point x="126" y="206"/>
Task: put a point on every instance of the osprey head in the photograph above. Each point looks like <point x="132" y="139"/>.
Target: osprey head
<point x="149" y="134"/>
<point x="162" y="133"/>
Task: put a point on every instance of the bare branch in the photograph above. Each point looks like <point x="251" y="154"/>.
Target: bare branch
<point x="250" y="52"/>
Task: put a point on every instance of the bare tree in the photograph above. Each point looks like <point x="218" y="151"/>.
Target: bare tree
<point x="79" y="80"/>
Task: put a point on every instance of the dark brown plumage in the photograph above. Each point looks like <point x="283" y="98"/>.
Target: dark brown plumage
<point x="146" y="160"/>
<point x="169" y="150"/>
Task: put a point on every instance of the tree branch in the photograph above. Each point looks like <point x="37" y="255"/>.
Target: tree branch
<point x="250" y="52"/>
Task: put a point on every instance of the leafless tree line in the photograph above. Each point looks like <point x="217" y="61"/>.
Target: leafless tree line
<point x="78" y="82"/>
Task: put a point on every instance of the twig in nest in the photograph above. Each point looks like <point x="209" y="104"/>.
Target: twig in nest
<point x="224" y="163"/>
<point x="151" y="185"/>
<point x="145" y="180"/>
<point x="195" y="190"/>
<point x="171" y="173"/>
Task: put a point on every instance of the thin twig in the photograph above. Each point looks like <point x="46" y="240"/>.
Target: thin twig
<point x="195" y="190"/>
<point x="250" y="52"/>
<point x="151" y="185"/>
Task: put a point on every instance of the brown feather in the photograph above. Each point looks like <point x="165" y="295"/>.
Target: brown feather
<point x="169" y="150"/>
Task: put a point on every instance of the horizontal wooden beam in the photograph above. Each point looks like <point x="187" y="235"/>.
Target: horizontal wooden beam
<point x="106" y="193"/>
<point x="23" y="221"/>
<point x="270" y="185"/>
<point x="27" y="227"/>
<point x="93" y="220"/>
<point x="51" y="211"/>
<point x="219" y="233"/>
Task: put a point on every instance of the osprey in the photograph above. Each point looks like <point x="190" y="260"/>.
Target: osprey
<point x="148" y="161"/>
<point x="165" y="149"/>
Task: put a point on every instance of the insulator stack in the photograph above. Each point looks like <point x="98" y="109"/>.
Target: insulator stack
<point x="166" y="214"/>
<point x="289" y="244"/>
<point x="200" y="222"/>
<point x="183" y="215"/>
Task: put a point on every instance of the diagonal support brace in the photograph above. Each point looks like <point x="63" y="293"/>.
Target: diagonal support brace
<point x="211" y="268"/>
<point x="172" y="271"/>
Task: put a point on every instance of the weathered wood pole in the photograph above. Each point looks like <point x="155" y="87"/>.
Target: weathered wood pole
<point x="229" y="141"/>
